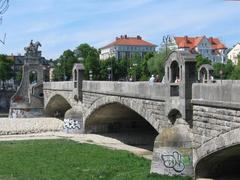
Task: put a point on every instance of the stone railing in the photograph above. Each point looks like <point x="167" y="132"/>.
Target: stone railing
<point x="58" y="86"/>
<point x="225" y="94"/>
<point x="145" y="90"/>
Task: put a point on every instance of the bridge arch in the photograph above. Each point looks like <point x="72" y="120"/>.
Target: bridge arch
<point x="219" y="157"/>
<point x="123" y="119"/>
<point x="56" y="106"/>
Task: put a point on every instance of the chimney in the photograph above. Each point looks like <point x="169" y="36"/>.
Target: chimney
<point x="117" y="38"/>
<point x="121" y="36"/>
<point x="139" y="37"/>
<point x="186" y="38"/>
<point x="125" y="36"/>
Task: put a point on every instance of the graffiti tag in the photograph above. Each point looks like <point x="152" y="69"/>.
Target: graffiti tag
<point x="71" y="124"/>
<point x="173" y="161"/>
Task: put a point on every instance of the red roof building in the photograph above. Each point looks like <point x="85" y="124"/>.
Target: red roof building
<point x="212" y="48"/>
<point x="124" y="47"/>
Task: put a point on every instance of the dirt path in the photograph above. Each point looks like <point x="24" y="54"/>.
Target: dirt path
<point x="82" y="138"/>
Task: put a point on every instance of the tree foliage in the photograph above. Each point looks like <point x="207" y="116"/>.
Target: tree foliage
<point x="156" y="63"/>
<point x="64" y="65"/>
<point x="226" y="69"/>
<point x="200" y="60"/>
<point x="236" y="72"/>
<point x="6" y="71"/>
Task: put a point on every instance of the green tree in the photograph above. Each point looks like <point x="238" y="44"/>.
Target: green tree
<point x="91" y="63"/>
<point x="82" y="50"/>
<point x="18" y="75"/>
<point x="236" y="72"/>
<point x="217" y="68"/>
<point x="64" y="65"/>
<point x="156" y="64"/>
<point x="144" y="67"/>
<point x="200" y="60"/>
<point x="6" y="71"/>
<point x="226" y="69"/>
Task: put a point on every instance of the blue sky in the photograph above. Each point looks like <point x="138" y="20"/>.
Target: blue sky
<point x="64" y="24"/>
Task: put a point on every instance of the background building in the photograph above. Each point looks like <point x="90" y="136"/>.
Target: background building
<point x="124" y="47"/>
<point x="17" y="67"/>
<point x="234" y="53"/>
<point x="211" y="48"/>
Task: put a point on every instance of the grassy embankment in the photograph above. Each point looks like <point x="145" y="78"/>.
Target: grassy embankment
<point x="65" y="159"/>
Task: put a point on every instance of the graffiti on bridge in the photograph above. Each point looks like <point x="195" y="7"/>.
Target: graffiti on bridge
<point x="174" y="161"/>
<point x="71" y="124"/>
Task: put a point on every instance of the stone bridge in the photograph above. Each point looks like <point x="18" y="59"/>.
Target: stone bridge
<point x="193" y="128"/>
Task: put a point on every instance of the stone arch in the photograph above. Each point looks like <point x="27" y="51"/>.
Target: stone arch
<point x="219" y="155"/>
<point x="205" y="73"/>
<point x="121" y="119"/>
<point x="56" y="106"/>
<point x="33" y="76"/>
<point x="128" y="102"/>
<point x="175" y="71"/>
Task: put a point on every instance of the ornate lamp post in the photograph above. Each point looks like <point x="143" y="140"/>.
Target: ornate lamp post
<point x="58" y="65"/>
<point x="166" y="40"/>
<point x="90" y="75"/>
<point x="135" y="73"/>
<point x="64" y="71"/>
<point x="109" y="73"/>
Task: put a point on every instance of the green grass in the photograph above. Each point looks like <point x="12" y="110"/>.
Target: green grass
<point x="65" y="159"/>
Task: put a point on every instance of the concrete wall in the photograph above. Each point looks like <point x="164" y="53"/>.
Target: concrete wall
<point x="29" y="125"/>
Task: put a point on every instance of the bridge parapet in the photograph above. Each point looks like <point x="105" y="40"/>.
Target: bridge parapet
<point x="142" y="90"/>
<point x="216" y="111"/>
<point x="224" y="94"/>
<point x="60" y="85"/>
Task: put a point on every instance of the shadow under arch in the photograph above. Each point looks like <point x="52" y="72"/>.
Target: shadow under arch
<point x="119" y="121"/>
<point x="57" y="106"/>
<point x="223" y="164"/>
<point x="219" y="158"/>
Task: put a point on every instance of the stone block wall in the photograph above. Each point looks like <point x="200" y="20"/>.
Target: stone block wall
<point x="210" y="122"/>
<point x="216" y="109"/>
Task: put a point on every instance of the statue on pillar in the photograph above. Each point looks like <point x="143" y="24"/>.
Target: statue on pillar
<point x="32" y="49"/>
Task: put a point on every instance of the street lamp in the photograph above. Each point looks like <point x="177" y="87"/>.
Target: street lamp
<point x="90" y="75"/>
<point x="166" y="40"/>
<point x="135" y="73"/>
<point x="221" y="74"/>
<point x="58" y="65"/>
<point x="64" y="72"/>
<point x="109" y="73"/>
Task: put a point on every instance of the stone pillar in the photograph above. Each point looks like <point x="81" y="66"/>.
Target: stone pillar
<point x="73" y="121"/>
<point x="78" y="75"/>
<point x="172" y="154"/>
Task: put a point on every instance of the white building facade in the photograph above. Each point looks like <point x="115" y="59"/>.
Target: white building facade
<point x="234" y="53"/>
<point x="125" y="47"/>
<point x="210" y="48"/>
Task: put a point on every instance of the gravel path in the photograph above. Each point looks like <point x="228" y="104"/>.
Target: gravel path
<point x="50" y="128"/>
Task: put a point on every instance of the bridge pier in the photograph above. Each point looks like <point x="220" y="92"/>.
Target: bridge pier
<point x="173" y="152"/>
<point x="73" y="121"/>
